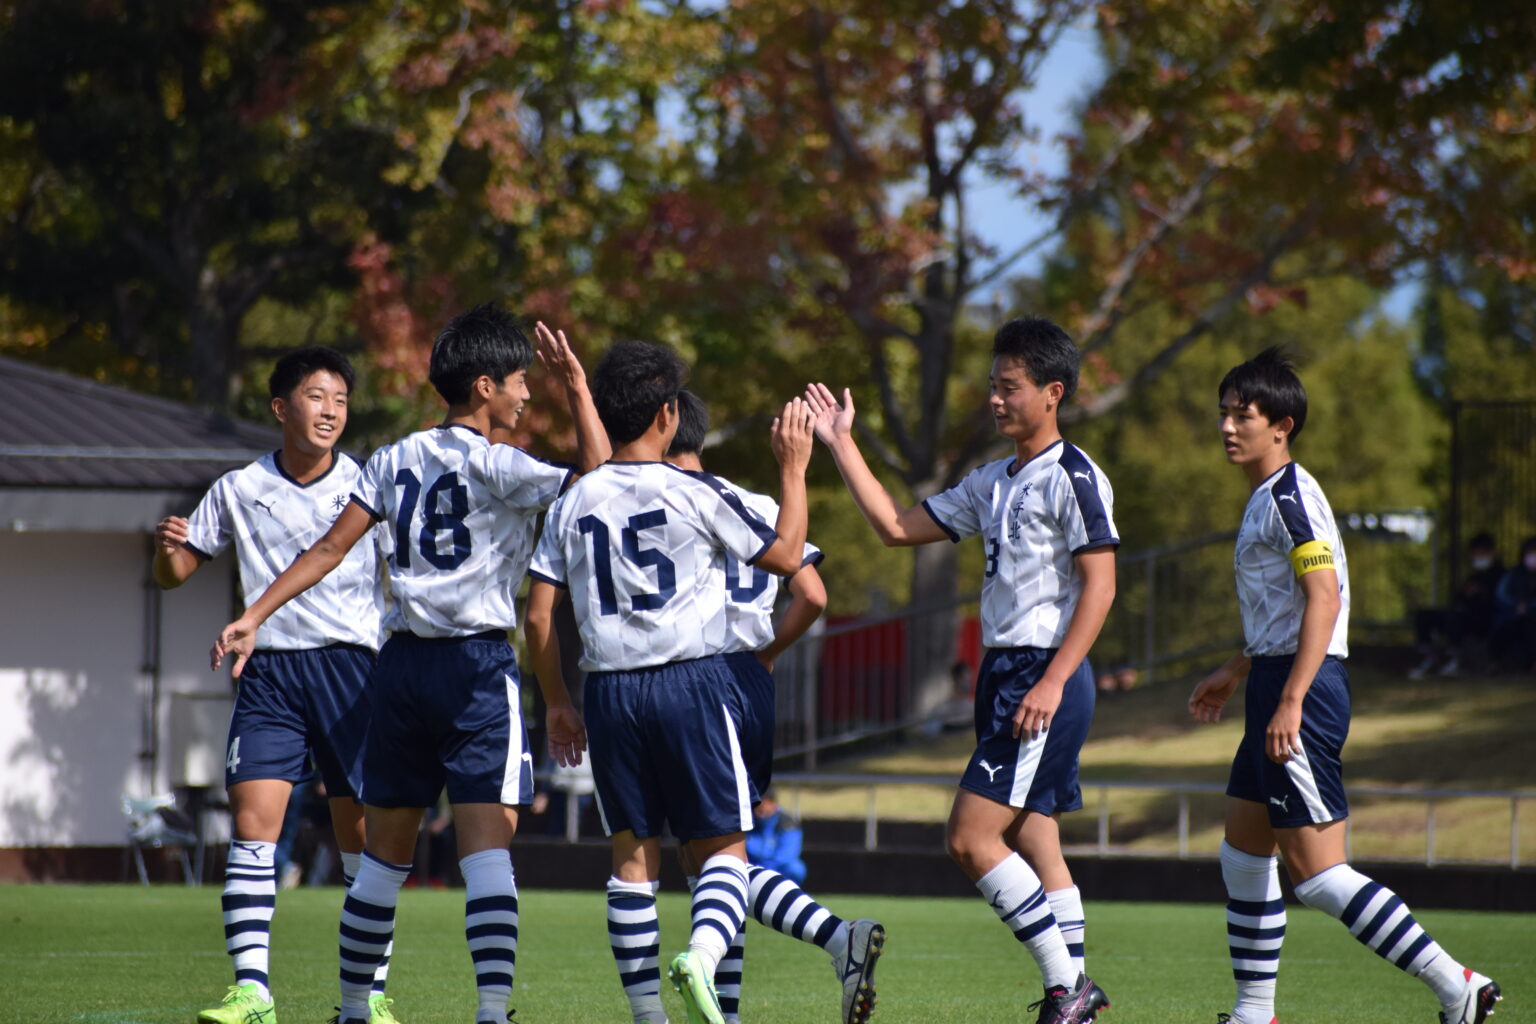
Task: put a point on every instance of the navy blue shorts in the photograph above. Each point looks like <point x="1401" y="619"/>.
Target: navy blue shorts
<point x="294" y="705"/>
<point x="758" y="715"/>
<point x="1039" y="773"/>
<point x="447" y="712"/>
<point x="666" y="750"/>
<point x="1308" y="789"/>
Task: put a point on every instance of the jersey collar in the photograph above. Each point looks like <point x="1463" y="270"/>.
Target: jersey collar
<point x="1012" y="472"/>
<point x="277" y="462"/>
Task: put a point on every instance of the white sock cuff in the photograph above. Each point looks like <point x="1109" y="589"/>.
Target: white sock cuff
<point x="1249" y="876"/>
<point x="246" y="854"/>
<point x="1009" y="872"/>
<point x="1331" y="890"/>
<point x="350" y="863"/>
<point x="378" y="881"/>
<point x="1068" y="902"/>
<point x="487" y="871"/>
<point x="646" y="889"/>
<point x="725" y="862"/>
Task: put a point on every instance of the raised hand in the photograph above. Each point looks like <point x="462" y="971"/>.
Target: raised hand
<point x="792" y="434"/>
<point x="833" y="421"/>
<point x="558" y="357"/>
<point x="237" y="638"/>
<point x="171" y="534"/>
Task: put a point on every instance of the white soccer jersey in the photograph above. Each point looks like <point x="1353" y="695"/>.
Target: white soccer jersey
<point x="1288" y="530"/>
<point x="273" y="519"/>
<point x="459" y="516"/>
<point x="640" y="545"/>
<point x="1033" y="521"/>
<point x="750" y="593"/>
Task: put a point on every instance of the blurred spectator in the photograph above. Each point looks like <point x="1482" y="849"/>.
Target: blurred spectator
<point x="958" y="711"/>
<point x="1442" y="634"/>
<point x="1119" y="680"/>
<point x="775" y="839"/>
<point x="1514" y="619"/>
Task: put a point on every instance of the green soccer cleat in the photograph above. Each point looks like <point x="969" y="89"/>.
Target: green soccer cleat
<point x="378" y="1010"/>
<point x="242" y="1005"/>
<point x="687" y="976"/>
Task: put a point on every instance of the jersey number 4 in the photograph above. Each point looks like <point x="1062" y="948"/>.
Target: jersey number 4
<point x="602" y="561"/>
<point x="435" y="520"/>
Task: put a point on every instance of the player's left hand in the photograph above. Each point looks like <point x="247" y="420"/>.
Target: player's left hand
<point x="793" y="435"/>
<point x="1282" y="737"/>
<point x="567" y="734"/>
<point x="558" y="357"/>
<point x="1036" y="710"/>
<point x="237" y="638"/>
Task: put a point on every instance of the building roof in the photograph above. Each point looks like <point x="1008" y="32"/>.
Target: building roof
<point x="58" y="430"/>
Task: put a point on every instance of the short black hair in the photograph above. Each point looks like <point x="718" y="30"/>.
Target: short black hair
<point x="692" y="425"/>
<point x="1268" y="382"/>
<point x="486" y="341"/>
<point x="1482" y="541"/>
<point x="1046" y="351"/>
<point x="631" y="384"/>
<point x="294" y="369"/>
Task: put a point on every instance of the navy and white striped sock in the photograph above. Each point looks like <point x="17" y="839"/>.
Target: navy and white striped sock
<point x="1013" y="891"/>
<point x="249" y="898"/>
<point x="1378" y="918"/>
<point x="490" y="926"/>
<point x="349" y="865"/>
<point x="778" y="903"/>
<point x="634" y="935"/>
<point x="1067" y="909"/>
<point x="728" y="973"/>
<point x="367" y="928"/>
<point x="719" y="908"/>
<point x="1255" y="931"/>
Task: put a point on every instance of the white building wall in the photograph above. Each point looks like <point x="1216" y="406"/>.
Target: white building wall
<point x="73" y="690"/>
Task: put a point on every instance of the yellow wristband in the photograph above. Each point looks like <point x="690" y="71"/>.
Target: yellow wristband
<point x="1311" y="556"/>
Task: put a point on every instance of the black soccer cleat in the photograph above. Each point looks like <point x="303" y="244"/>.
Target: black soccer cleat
<point x="1076" y="1005"/>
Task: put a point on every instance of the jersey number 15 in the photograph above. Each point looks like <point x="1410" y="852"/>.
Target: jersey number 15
<point x="602" y="561"/>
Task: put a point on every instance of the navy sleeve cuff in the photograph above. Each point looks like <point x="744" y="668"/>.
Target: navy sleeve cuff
<point x="953" y="536"/>
<point x="813" y="559"/>
<point x="199" y="552"/>
<point x="1094" y="545"/>
<point x="367" y="508"/>
<point x="764" y="549"/>
<point x="546" y="579"/>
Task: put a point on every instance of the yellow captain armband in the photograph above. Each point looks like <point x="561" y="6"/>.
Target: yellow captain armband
<point x="1311" y="556"/>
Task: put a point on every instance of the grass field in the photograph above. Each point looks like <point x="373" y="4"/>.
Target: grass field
<point x="133" y="955"/>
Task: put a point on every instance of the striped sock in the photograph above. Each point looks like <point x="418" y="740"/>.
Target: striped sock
<point x="1378" y="918"/>
<point x="1013" y="891"/>
<point x="728" y="973"/>
<point x="634" y="935"/>
<point x="719" y="908"/>
<point x="1067" y="909"/>
<point x="250" y="896"/>
<point x="490" y="926"/>
<point x="778" y="903"/>
<point x="1255" y="931"/>
<point x="349" y="865"/>
<point x="367" y="928"/>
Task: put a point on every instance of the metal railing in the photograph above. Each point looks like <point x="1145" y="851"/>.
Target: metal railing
<point x="792" y="785"/>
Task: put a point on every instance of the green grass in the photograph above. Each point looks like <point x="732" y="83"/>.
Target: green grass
<point x="133" y="955"/>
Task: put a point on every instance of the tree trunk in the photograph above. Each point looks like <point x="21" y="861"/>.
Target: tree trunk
<point x="214" y="334"/>
<point x="931" y="631"/>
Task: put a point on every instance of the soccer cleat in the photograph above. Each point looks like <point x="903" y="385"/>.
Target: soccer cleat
<point x="1476" y="1003"/>
<point x="338" y="1019"/>
<point x="699" y="997"/>
<point x="856" y="969"/>
<point x="1076" y="1005"/>
<point x="242" y="1005"/>
<point x="378" y="1010"/>
<point x="1226" y="1018"/>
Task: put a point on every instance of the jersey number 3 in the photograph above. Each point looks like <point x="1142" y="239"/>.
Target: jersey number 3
<point x="602" y="561"/>
<point x="435" y="520"/>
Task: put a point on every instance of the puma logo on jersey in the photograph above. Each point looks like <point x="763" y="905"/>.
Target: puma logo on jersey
<point x="264" y="507"/>
<point x="991" y="772"/>
<point x="1287" y="497"/>
<point x="1280" y="802"/>
<point x="1080" y="475"/>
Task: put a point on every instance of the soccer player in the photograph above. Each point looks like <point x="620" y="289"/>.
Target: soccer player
<point x="1045" y="516"/>
<point x="752" y="643"/>
<point x="1286" y="787"/>
<point x="459" y="515"/>
<point x="638" y="543"/>
<point x="305" y="687"/>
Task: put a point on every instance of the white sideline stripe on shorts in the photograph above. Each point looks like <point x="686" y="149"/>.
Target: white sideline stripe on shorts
<point x="512" y="774"/>
<point x="743" y="793"/>
<point x="602" y="816"/>
<point x="1024" y="767"/>
<point x="1300" y="771"/>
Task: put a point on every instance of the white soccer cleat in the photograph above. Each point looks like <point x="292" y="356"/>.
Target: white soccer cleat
<point x="1476" y="1003"/>
<point x="856" y="969"/>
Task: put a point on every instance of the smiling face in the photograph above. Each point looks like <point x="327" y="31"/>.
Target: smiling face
<point x="504" y="403"/>
<point x="1021" y="409"/>
<point x="1249" y="438"/>
<point x="313" y="414"/>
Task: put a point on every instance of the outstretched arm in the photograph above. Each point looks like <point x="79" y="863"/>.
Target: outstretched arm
<point x="174" y="561"/>
<point x="808" y="599"/>
<point x="791" y="438"/>
<point x="567" y="734"/>
<point x="894" y="525"/>
<point x="239" y="637"/>
<point x="1039" y="705"/>
<point x="560" y="360"/>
